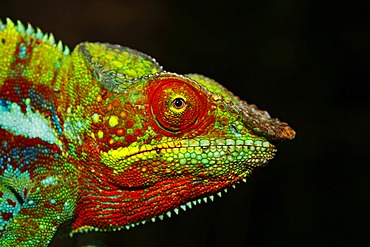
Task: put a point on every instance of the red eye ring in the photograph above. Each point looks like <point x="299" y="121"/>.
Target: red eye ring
<point x="176" y="105"/>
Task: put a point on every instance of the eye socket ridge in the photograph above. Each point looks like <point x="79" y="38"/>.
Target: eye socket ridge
<point x="178" y="103"/>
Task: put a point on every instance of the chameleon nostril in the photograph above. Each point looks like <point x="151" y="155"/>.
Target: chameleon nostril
<point x="234" y="128"/>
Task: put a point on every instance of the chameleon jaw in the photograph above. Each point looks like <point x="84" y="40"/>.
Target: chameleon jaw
<point x="166" y="214"/>
<point x="130" y="208"/>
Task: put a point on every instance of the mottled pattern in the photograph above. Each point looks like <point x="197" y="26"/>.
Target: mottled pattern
<point x="102" y="138"/>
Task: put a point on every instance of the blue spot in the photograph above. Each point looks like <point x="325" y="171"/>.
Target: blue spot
<point x="31" y="153"/>
<point x="15" y="153"/>
<point x="16" y="89"/>
<point x="22" y="53"/>
<point x="56" y="121"/>
<point x="4" y="105"/>
<point x="25" y="72"/>
<point x="46" y="105"/>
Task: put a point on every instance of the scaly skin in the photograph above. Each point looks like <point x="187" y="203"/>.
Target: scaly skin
<point x="102" y="138"/>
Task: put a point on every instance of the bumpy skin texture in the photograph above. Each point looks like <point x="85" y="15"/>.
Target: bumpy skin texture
<point x="102" y="138"/>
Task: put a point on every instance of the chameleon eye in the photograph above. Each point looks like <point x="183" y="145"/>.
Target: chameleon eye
<point x="176" y="105"/>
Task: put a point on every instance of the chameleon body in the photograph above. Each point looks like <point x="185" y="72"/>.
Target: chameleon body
<point x="102" y="138"/>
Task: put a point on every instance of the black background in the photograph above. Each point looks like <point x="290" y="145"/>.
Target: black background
<point x="303" y="61"/>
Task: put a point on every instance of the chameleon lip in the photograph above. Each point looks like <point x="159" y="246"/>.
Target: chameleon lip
<point x="127" y="153"/>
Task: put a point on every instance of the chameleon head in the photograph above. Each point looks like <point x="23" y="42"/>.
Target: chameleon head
<point x="196" y="132"/>
<point x="170" y="139"/>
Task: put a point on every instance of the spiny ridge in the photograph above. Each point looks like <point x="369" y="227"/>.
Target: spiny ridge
<point x="38" y="34"/>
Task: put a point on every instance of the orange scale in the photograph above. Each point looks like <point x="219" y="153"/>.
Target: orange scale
<point x="105" y="94"/>
<point x="130" y="138"/>
<point x="158" y="138"/>
<point x="120" y="131"/>
<point x="133" y="112"/>
<point x="118" y="144"/>
<point x="109" y="107"/>
<point x="138" y="132"/>
<point x="223" y="118"/>
<point x="129" y="124"/>
<point x="111" y="141"/>
<point x="104" y="139"/>
<point x="123" y="114"/>
<point x="115" y="103"/>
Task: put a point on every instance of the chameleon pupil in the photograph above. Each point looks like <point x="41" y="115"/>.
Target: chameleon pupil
<point x="178" y="103"/>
